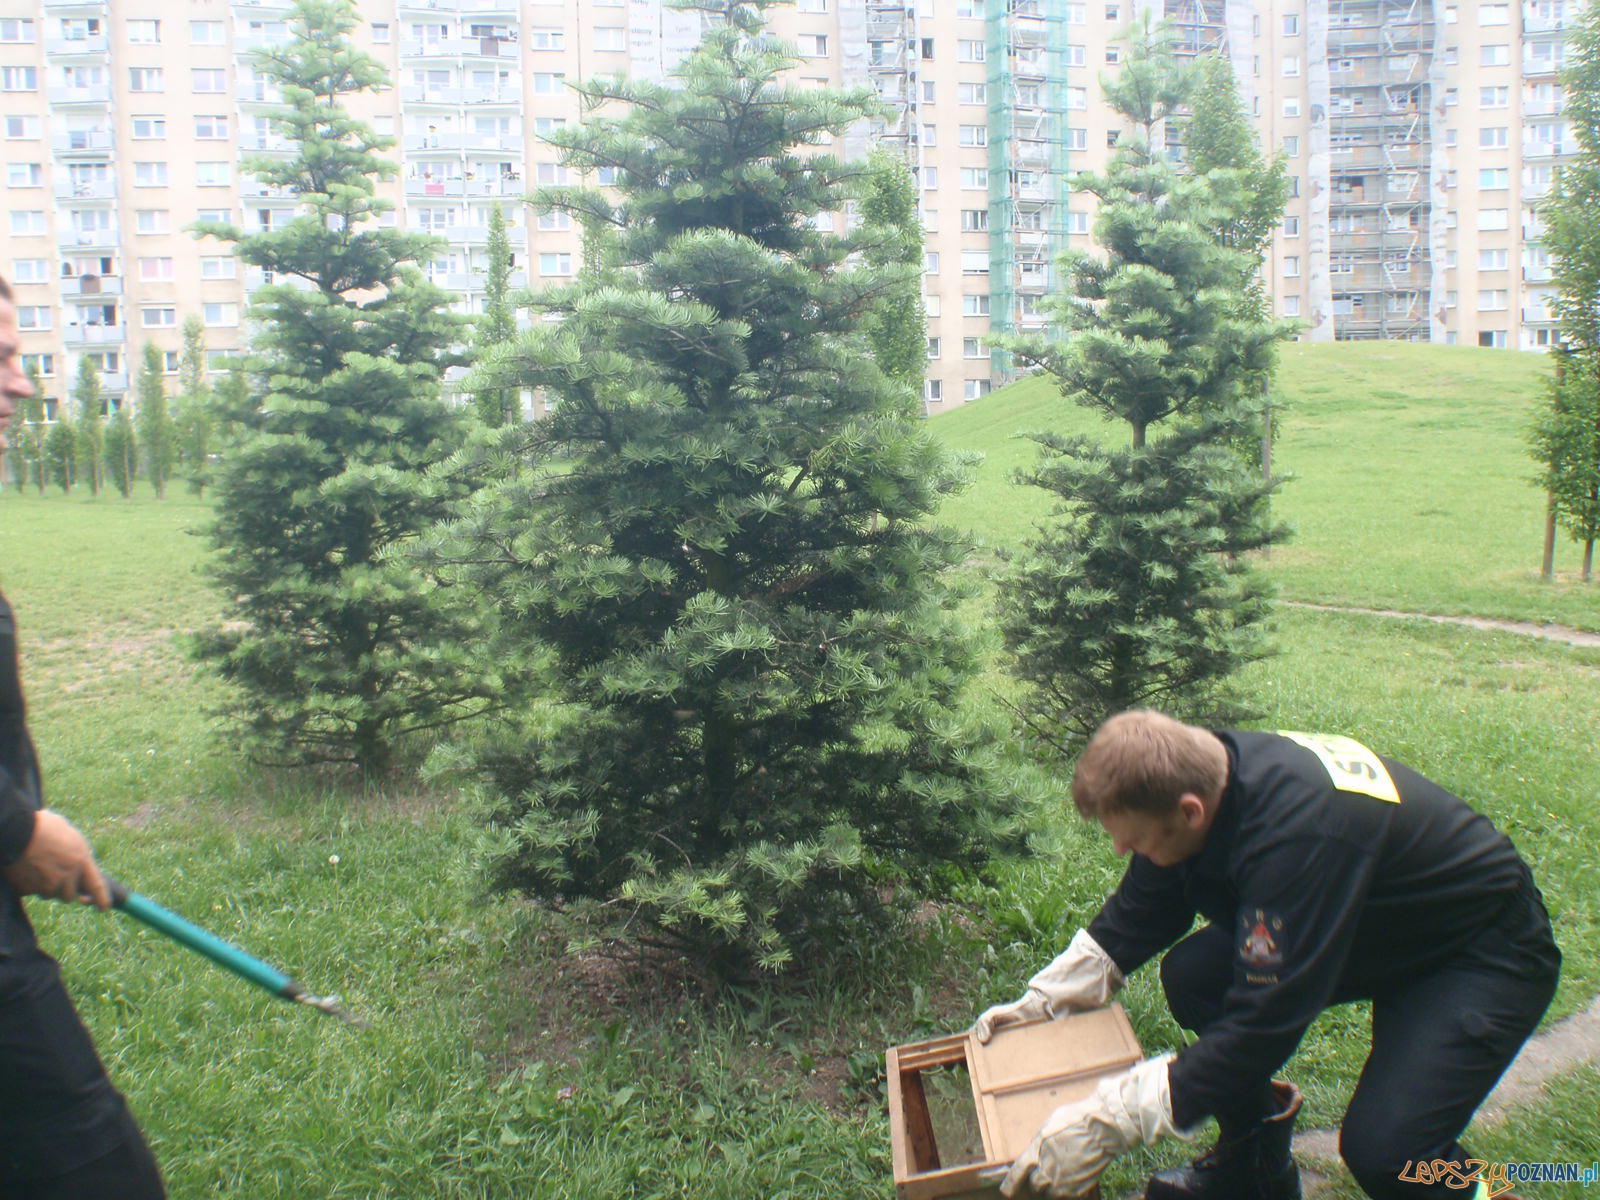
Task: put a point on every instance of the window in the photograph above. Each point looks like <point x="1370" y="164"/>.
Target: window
<point x="1291" y="26"/>
<point x="149" y="174"/>
<point x="382" y="33"/>
<point x="218" y="266"/>
<point x="1494" y="218"/>
<point x="146" y="79"/>
<point x="975" y="306"/>
<point x="555" y="222"/>
<point x="1291" y="266"/>
<point x="17" y="31"/>
<point x="976" y="388"/>
<point x="1491" y="299"/>
<point x="1077" y="14"/>
<point x="974" y="220"/>
<point x="547" y="83"/>
<point x="974" y="135"/>
<point x="1291" y="106"/>
<point x="971" y="51"/>
<point x="221" y="216"/>
<point x="1291" y="306"/>
<point x="1078" y="222"/>
<point x="1291" y="227"/>
<point x="1077" y="139"/>
<point x="1494" y="14"/>
<point x="207" y="33"/>
<point x="152" y="220"/>
<point x="211" y="129"/>
<point x="212" y="174"/>
<point x="972" y="93"/>
<point x="24" y="175"/>
<point x="814" y="45"/>
<point x="970" y="9"/>
<point x="929" y="177"/>
<point x="1494" y="138"/>
<point x="30" y="270"/>
<point x="555" y="264"/>
<point x="974" y="262"/>
<point x="972" y="348"/>
<point x="549" y="174"/>
<point x="813" y="6"/>
<point x="42" y="365"/>
<point x="208" y="81"/>
<point x="19" y="79"/>
<point x="158" y="318"/>
<point x="34" y="317"/>
<point x="975" y="178"/>
<point x="1494" y="97"/>
<point x="1494" y="56"/>
<point x="24" y="223"/>
<point x="1291" y="146"/>
<point x="935" y="347"/>
<point x="219" y="316"/>
<point x="610" y="37"/>
<point x="158" y="270"/>
<point x="1291" y="66"/>
<point x="547" y="39"/>
<point x="930" y="262"/>
<point x="933" y="391"/>
<point x="144" y="32"/>
<point x="1494" y="177"/>
<point x="23" y="128"/>
<point x="1077" y="98"/>
<point x="149" y="129"/>
<point x="1493" y="260"/>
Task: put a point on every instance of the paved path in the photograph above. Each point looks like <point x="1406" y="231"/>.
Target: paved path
<point x="1554" y="633"/>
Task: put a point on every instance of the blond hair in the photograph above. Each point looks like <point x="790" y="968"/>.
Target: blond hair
<point x="1144" y="762"/>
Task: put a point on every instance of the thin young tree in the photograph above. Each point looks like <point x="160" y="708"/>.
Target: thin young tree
<point x="337" y="648"/>
<point x="498" y="324"/>
<point x="122" y="448"/>
<point x="61" y="451"/>
<point x="1137" y="593"/>
<point x="89" y="433"/>
<point x="158" y="446"/>
<point x="898" y="328"/>
<point x="28" y="442"/>
<point x="194" y="423"/>
<point x="1566" y="435"/>
<point x="720" y="542"/>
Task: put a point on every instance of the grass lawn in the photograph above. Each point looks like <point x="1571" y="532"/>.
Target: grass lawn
<point x="497" y="1066"/>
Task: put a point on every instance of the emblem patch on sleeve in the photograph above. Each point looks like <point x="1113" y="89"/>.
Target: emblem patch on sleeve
<point x="1350" y="765"/>
<point x="1260" y="951"/>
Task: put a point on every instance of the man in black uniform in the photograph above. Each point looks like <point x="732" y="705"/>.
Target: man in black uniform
<point x="65" y="1132"/>
<point x="1325" y="873"/>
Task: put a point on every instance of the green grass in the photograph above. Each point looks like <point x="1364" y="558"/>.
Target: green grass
<point x="498" y="1066"/>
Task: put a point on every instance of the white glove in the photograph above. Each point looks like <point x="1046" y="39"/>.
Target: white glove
<point x="1078" y="1141"/>
<point x="1080" y="978"/>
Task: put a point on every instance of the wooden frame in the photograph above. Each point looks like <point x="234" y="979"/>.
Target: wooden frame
<point x="1018" y="1079"/>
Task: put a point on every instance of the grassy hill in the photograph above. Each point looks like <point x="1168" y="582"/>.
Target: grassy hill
<point x="1412" y="482"/>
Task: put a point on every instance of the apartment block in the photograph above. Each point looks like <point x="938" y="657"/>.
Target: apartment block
<point x="1419" y="136"/>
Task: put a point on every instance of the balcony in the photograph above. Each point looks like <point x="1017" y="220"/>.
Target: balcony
<point x="453" y="142"/>
<point x="246" y="5"/>
<point x="428" y="94"/>
<point x="1547" y="149"/>
<point x="1538" y="273"/>
<point x="87" y="239"/>
<point x="91" y="189"/>
<point x="90" y="143"/>
<point x="1543" y="24"/>
<point x="256" y="91"/>
<point x="256" y="189"/>
<point x="62" y="95"/>
<point x="1536" y="68"/>
<point x="71" y="47"/>
<point x="266" y="143"/>
<point x="436" y="187"/>
<point x="458" y="47"/>
<point x="1537" y="313"/>
<point x="430" y="5"/>
<point x="113" y="382"/>
<point x="244" y="43"/>
<point x="1541" y="108"/>
<point x="95" y="335"/>
<point x="509" y="94"/>
<point x="516" y="236"/>
<point x="90" y="288"/>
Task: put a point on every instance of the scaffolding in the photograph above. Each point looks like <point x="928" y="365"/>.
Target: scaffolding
<point x="1028" y="59"/>
<point x="1380" y="213"/>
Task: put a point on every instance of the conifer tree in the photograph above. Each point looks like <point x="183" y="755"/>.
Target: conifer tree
<point x="27" y="444"/>
<point x="194" y="423"/>
<point x="89" y="434"/>
<point x="336" y="646"/>
<point x="498" y="324"/>
<point x="1136" y="594"/>
<point x="898" y="327"/>
<point x="122" y="449"/>
<point x="157" y="437"/>
<point x="721" y="538"/>
<point x="61" y="451"/>
<point x="1566" y="435"/>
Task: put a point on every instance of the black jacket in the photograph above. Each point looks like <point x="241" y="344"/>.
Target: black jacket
<point x="1340" y="873"/>
<point x="19" y="767"/>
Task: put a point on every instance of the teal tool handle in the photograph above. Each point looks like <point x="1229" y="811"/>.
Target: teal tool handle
<point x="188" y="934"/>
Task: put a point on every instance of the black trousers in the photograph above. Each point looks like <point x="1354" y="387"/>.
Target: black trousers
<point x="65" y="1132"/>
<point x="1440" y="1041"/>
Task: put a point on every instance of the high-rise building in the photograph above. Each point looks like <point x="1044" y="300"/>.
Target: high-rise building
<point x="1419" y="135"/>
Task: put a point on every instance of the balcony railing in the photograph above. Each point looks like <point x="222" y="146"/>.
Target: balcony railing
<point x="70" y="46"/>
<point x="86" y="189"/>
<point x="88" y="239"/>
<point x="87" y="93"/>
<point x="89" y="288"/>
<point x="96" y="142"/>
<point x="94" y="335"/>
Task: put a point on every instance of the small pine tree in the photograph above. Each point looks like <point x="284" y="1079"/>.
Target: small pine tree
<point x="719" y="547"/>
<point x="336" y="646"/>
<point x="1566" y="443"/>
<point x="27" y="443"/>
<point x="194" y="423"/>
<point x="1138" y="594"/>
<point x="898" y="325"/>
<point x="89" y="437"/>
<point x="157" y="436"/>
<point x="498" y="325"/>
<point x="61" y="452"/>
<point x="122" y="449"/>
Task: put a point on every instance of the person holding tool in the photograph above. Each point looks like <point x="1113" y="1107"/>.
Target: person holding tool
<point x="65" y="1131"/>
<point x="1324" y="873"/>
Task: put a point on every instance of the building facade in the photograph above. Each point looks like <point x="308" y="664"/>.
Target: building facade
<point x="1419" y="134"/>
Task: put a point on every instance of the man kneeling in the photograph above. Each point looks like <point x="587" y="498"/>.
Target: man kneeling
<point x="1325" y="874"/>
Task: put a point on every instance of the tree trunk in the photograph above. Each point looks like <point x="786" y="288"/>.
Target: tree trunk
<point x="1588" y="560"/>
<point x="1547" y="572"/>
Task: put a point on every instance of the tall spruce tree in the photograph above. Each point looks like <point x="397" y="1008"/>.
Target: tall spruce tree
<point x="899" y="327"/>
<point x="89" y="433"/>
<point x="1566" y="434"/>
<point x="1137" y="593"/>
<point x="27" y="443"/>
<point x="721" y="537"/>
<point x="498" y="324"/>
<point x="61" y="451"/>
<point x="122" y="448"/>
<point x="157" y="438"/>
<point x="194" y="423"/>
<point x="337" y="647"/>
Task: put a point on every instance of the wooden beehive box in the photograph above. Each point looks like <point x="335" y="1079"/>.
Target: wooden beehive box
<point x="960" y="1111"/>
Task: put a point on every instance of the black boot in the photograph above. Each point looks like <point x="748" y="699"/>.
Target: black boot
<point x="1250" y="1165"/>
